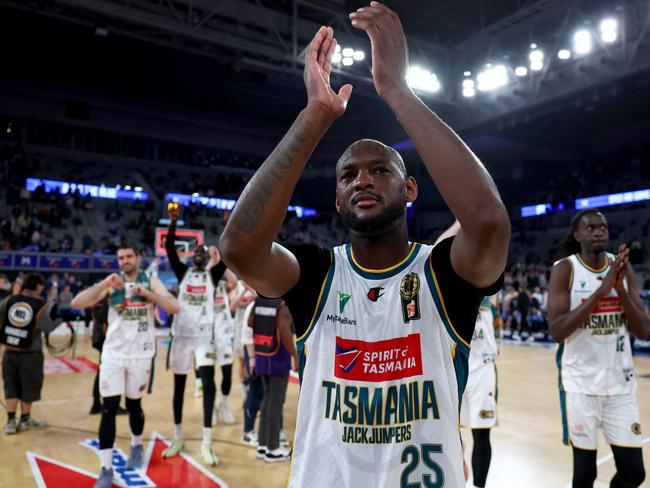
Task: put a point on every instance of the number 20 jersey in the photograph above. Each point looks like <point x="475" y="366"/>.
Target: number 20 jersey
<point x="382" y="373"/>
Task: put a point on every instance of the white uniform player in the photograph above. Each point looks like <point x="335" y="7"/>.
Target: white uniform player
<point x="478" y="410"/>
<point x="597" y="378"/>
<point x="193" y="326"/>
<point x="130" y="342"/>
<point x="386" y="370"/>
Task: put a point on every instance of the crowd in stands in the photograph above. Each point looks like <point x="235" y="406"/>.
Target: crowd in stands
<point x="50" y="222"/>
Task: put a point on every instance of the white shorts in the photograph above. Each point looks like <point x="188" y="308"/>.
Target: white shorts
<point x="479" y="407"/>
<point x="184" y="349"/>
<point x="617" y="415"/>
<point x="128" y="377"/>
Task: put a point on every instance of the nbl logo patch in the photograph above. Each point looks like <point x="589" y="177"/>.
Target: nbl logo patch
<point x="388" y="360"/>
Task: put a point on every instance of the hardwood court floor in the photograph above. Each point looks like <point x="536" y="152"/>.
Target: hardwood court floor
<point x="527" y="449"/>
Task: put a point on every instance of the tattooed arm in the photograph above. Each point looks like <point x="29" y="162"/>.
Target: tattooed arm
<point x="246" y="244"/>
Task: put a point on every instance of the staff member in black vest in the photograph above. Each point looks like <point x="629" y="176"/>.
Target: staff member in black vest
<point x="274" y="350"/>
<point x="23" y="317"/>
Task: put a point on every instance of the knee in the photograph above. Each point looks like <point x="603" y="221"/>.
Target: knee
<point x="133" y="405"/>
<point x="633" y="476"/>
<point x="110" y="405"/>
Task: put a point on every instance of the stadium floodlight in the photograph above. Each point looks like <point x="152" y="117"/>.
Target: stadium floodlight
<point x="533" y="46"/>
<point x="564" y="54"/>
<point x="536" y="58"/>
<point x="358" y="55"/>
<point x="422" y="79"/>
<point x="137" y="188"/>
<point x="609" y="30"/>
<point x="347" y="52"/>
<point x="347" y="61"/>
<point x="467" y="73"/>
<point x="492" y="78"/>
<point x="336" y="58"/>
<point x="582" y="42"/>
<point x="468" y="83"/>
<point x="521" y="71"/>
<point x="127" y="187"/>
<point x="337" y="49"/>
<point x="469" y="92"/>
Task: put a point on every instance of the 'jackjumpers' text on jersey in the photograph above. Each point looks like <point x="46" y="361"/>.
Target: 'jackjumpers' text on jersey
<point x="484" y="343"/>
<point x="596" y="359"/>
<point x="196" y="300"/>
<point x="130" y="332"/>
<point x="382" y="374"/>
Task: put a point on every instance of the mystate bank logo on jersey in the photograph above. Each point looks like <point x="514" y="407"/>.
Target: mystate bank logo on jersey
<point x="388" y="360"/>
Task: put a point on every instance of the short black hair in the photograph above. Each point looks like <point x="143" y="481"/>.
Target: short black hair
<point x="32" y="281"/>
<point x="127" y="245"/>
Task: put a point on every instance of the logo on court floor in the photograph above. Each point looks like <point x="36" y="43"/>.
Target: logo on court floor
<point x="156" y="471"/>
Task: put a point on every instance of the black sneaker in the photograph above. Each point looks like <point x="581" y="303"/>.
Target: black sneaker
<point x="122" y="411"/>
<point x="96" y="409"/>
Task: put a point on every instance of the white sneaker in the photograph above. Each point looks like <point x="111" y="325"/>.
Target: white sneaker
<point x="225" y="413"/>
<point x="261" y="452"/>
<point x="277" y="455"/>
<point x="250" y="439"/>
<point x="284" y="442"/>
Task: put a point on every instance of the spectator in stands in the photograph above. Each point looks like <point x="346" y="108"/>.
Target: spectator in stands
<point x="65" y="297"/>
<point x="5" y="286"/>
<point x="523" y="307"/>
<point x="540" y="298"/>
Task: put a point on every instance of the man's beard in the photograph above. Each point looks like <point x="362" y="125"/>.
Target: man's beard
<point x="199" y="263"/>
<point x="368" y="225"/>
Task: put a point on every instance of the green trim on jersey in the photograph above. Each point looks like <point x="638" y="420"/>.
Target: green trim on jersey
<point x="461" y="368"/>
<point x="442" y="311"/>
<point x="565" y="425"/>
<point x="320" y="303"/>
<point x="381" y="274"/>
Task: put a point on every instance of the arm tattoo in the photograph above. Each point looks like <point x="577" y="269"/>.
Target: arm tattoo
<point x="260" y="189"/>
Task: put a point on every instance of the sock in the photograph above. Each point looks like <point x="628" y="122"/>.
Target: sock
<point x="25" y="417"/>
<point x="178" y="431"/>
<point x="207" y="435"/>
<point x="136" y="440"/>
<point x="224" y="400"/>
<point x="106" y="457"/>
<point x="11" y="416"/>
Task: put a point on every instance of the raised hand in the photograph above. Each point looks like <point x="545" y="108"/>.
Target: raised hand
<point x="318" y="65"/>
<point x="113" y="280"/>
<point x="617" y="268"/>
<point x="624" y="255"/>
<point x="140" y="290"/>
<point x="174" y="211"/>
<point x="215" y="257"/>
<point x="389" y="49"/>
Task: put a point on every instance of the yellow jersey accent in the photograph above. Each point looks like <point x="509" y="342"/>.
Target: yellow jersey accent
<point x="368" y="270"/>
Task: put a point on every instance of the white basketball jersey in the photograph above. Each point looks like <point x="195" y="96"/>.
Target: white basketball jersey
<point x="382" y="375"/>
<point x="130" y="333"/>
<point x="484" y="342"/>
<point x="196" y="300"/>
<point x="596" y="359"/>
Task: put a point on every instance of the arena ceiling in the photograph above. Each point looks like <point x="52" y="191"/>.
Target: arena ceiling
<point x="242" y="58"/>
